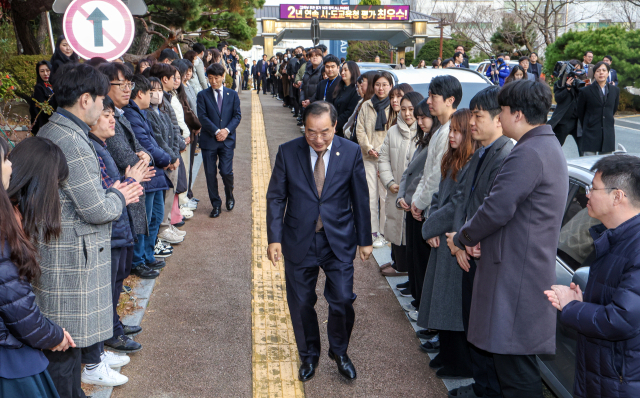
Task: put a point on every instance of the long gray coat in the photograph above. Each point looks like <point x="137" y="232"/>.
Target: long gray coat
<point x="518" y="227"/>
<point x="441" y="304"/>
<point x="412" y="175"/>
<point x="74" y="289"/>
<point x="123" y="148"/>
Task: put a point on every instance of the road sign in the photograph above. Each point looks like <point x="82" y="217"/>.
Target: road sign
<point x="137" y="7"/>
<point x="98" y="28"/>
<point x="315" y="31"/>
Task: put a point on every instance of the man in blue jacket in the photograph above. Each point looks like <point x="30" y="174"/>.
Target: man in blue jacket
<point x="501" y="71"/>
<point x="136" y="113"/>
<point x="607" y="316"/>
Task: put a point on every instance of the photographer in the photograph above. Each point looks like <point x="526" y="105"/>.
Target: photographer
<point x="499" y="70"/>
<point x="564" y="121"/>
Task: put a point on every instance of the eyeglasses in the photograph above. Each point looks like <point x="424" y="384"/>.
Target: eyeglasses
<point x="125" y="86"/>
<point x="323" y="136"/>
<point x="589" y="188"/>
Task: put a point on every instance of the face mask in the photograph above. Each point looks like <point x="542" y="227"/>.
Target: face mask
<point x="156" y="98"/>
<point x="298" y="55"/>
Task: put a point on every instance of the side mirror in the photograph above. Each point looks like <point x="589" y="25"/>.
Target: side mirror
<point x="581" y="277"/>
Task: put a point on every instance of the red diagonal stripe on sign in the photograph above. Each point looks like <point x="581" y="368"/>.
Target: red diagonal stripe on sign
<point x="104" y="32"/>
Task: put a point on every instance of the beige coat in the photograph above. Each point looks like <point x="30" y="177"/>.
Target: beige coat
<point x="395" y="154"/>
<point x="368" y="137"/>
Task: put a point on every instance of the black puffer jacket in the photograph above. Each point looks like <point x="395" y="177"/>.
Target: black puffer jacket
<point x="21" y="322"/>
<point x="310" y="83"/>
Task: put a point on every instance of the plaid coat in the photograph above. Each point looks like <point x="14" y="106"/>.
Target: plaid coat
<point x="74" y="289"/>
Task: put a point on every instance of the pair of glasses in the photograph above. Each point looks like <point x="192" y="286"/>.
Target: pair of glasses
<point x="323" y="136"/>
<point x="125" y="86"/>
<point x="589" y="188"/>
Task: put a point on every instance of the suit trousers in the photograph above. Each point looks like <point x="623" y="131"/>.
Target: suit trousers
<point x="265" y="83"/>
<point x="482" y="364"/>
<point x="301" y="279"/>
<point x="417" y="256"/>
<point x="519" y="376"/>
<point x="377" y="196"/>
<point x="255" y="81"/>
<point x="214" y="159"/>
<point x="65" y="368"/>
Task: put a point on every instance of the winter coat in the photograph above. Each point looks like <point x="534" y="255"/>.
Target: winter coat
<point x="441" y="303"/>
<point x="503" y="72"/>
<point x="431" y="175"/>
<point x="74" y="290"/>
<point x="122" y="228"/>
<point x="192" y="98"/>
<point x="173" y="119"/>
<point x="345" y="103"/>
<point x="199" y="79"/>
<point x="595" y="114"/>
<point x="368" y="137"/>
<point x="519" y="239"/>
<point x="608" y="318"/>
<point x="123" y="147"/>
<point x="179" y="113"/>
<point x="310" y="83"/>
<point x="395" y="154"/>
<point x="164" y="132"/>
<point x="41" y="93"/>
<point x="412" y="174"/>
<point x="349" y="128"/>
<point x="566" y="109"/>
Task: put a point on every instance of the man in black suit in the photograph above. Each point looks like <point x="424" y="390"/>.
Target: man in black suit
<point x="613" y="75"/>
<point x="485" y="163"/>
<point x="263" y="70"/>
<point x="318" y="222"/>
<point x="254" y="74"/>
<point x="219" y="114"/>
<point x="465" y="61"/>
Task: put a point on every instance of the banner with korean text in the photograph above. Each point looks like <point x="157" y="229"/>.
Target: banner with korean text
<point x="344" y="12"/>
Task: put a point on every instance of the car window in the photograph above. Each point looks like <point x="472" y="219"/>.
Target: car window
<point x="575" y="243"/>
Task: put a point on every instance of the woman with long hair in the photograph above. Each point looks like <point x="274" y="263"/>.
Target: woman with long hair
<point x="371" y="130"/>
<point x="395" y="153"/>
<point x="422" y="64"/>
<point x="345" y="94"/>
<point x="517" y="73"/>
<point x="24" y="331"/>
<point x="63" y="54"/>
<point x="395" y="96"/>
<point x="366" y="92"/>
<point x="417" y="248"/>
<point x="441" y="303"/>
<point x="42" y="92"/>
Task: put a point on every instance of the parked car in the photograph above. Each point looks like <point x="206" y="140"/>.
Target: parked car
<point x="484" y="65"/>
<point x="474" y="66"/>
<point x="575" y="254"/>
<point x="374" y="65"/>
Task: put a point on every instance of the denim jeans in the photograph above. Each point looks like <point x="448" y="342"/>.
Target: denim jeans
<point x="144" y="249"/>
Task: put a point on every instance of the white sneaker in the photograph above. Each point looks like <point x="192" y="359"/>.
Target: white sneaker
<point x="170" y="236"/>
<point x="192" y="204"/>
<point x="177" y="231"/>
<point x="186" y="213"/>
<point x="103" y="375"/>
<point x="413" y="315"/>
<point x="114" y="360"/>
<point x="379" y="242"/>
<point x="189" y="206"/>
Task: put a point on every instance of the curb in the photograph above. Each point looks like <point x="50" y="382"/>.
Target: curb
<point x="143" y="293"/>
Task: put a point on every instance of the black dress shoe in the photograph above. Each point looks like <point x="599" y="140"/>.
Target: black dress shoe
<point x="131" y="330"/>
<point x="307" y="371"/>
<point x="156" y="265"/>
<point x="436" y="363"/>
<point x="345" y="366"/>
<point x="215" y="212"/>
<point x="426" y="334"/>
<point x="123" y="344"/>
<point x="178" y="224"/>
<point x="300" y="123"/>
<point x="144" y="272"/>
<point x="401" y="286"/>
<point x="230" y="203"/>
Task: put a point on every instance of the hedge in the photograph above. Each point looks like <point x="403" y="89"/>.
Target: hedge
<point x="23" y="69"/>
<point x="431" y="50"/>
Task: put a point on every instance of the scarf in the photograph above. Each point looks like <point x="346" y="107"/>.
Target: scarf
<point x="380" y="105"/>
<point x="406" y="130"/>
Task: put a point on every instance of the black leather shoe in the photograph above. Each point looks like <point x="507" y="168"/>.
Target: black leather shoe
<point x="300" y="123"/>
<point x="179" y="224"/>
<point x="144" y="272"/>
<point x="307" y="371"/>
<point x="345" y="366"/>
<point x="215" y="212"/>
<point x="436" y="363"/>
<point x="156" y="265"/>
<point x="123" y="344"/>
<point x="426" y="334"/>
<point x="131" y="330"/>
<point x="231" y="203"/>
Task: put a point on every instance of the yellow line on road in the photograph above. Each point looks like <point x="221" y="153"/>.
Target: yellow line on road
<point x="275" y="355"/>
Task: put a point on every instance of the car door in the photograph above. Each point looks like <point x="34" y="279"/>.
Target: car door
<point x="575" y="253"/>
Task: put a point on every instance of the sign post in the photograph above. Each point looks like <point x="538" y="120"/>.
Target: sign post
<point x="315" y="31"/>
<point x="98" y="28"/>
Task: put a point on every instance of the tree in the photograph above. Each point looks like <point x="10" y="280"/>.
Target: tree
<point x="511" y="38"/>
<point x="369" y="2"/>
<point x="368" y="50"/>
<point x="22" y="12"/>
<point x="431" y="50"/>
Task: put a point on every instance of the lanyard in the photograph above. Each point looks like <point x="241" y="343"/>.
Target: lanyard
<point x="327" y="86"/>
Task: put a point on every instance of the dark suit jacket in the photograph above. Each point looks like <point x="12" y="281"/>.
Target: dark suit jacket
<point x="518" y="226"/>
<point x="212" y="119"/>
<point x="596" y="117"/>
<point x="344" y="204"/>
<point x="259" y="68"/>
<point x="254" y="70"/>
<point x="614" y="76"/>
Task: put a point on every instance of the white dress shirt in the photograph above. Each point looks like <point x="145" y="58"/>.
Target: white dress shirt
<point x="314" y="158"/>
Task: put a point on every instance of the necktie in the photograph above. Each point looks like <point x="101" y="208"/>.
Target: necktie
<point x="318" y="176"/>
<point x="219" y="100"/>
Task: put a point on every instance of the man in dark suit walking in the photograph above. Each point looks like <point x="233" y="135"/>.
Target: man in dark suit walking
<point x="613" y="75"/>
<point x="263" y="70"/>
<point x="254" y="75"/>
<point x="219" y="114"/>
<point x="326" y="219"/>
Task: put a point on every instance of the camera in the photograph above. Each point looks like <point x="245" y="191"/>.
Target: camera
<point x="564" y="70"/>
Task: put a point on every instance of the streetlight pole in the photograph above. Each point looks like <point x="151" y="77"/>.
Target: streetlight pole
<point x="441" y="27"/>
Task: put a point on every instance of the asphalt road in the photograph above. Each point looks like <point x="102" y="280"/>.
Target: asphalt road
<point x="627" y="134"/>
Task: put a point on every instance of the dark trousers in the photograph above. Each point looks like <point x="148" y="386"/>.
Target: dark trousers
<point x="565" y="128"/>
<point x="65" y="368"/>
<point x="245" y="81"/>
<point x="400" y="254"/>
<point x="255" y="81"/>
<point x="92" y="353"/>
<point x="264" y="82"/>
<point x="519" y="376"/>
<point x="121" y="261"/>
<point x="259" y="81"/>
<point x="301" y="281"/>
<point x="192" y="155"/>
<point x="294" y="93"/>
<point x="273" y="85"/>
<point x="211" y="165"/>
<point x="482" y="364"/>
<point x="454" y="353"/>
<point x="417" y="256"/>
